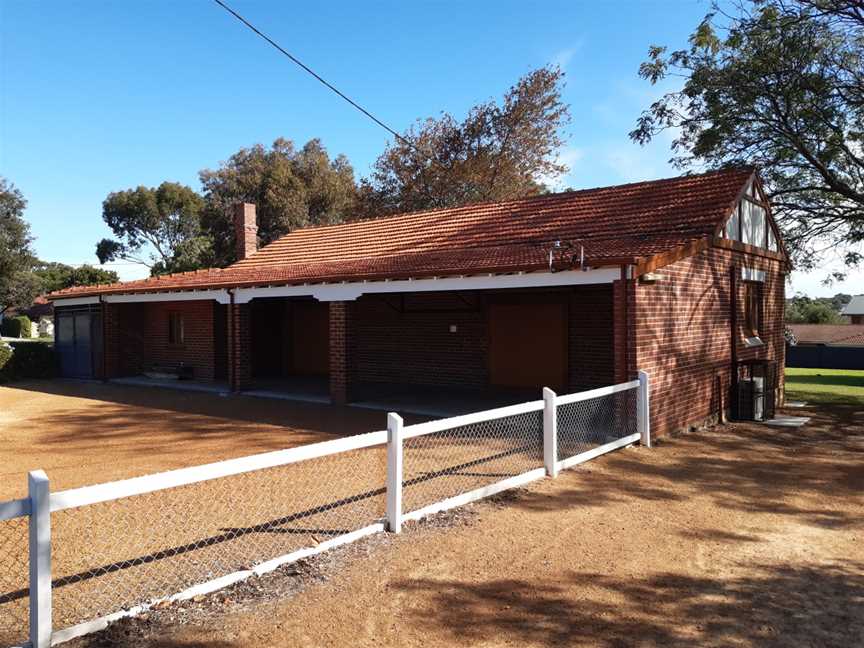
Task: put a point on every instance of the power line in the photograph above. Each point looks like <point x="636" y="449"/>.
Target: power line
<point x="320" y="79"/>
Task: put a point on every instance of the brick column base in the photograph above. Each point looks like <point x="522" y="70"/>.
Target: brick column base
<point x="340" y="351"/>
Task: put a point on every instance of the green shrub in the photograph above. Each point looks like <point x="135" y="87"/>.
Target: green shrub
<point x="16" y="327"/>
<point x="6" y="355"/>
<point x="34" y="360"/>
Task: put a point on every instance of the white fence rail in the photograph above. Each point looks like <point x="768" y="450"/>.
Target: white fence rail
<point x="78" y="559"/>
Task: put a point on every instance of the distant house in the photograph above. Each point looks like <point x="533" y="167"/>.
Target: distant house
<point x="854" y="310"/>
<point x="828" y="334"/>
<point x="827" y="346"/>
<point x="682" y="277"/>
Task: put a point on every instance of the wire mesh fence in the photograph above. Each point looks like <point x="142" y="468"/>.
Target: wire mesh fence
<point x="586" y="424"/>
<point x="14" y="582"/>
<point x="121" y="553"/>
<point x="177" y="533"/>
<point x="458" y="460"/>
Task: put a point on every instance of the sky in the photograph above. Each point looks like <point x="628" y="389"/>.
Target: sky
<point x="103" y="96"/>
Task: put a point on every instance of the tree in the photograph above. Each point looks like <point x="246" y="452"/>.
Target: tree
<point x="779" y="84"/>
<point x="159" y="227"/>
<point x="498" y="152"/>
<point x="18" y="286"/>
<point x="56" y="276"/>
<point x="803" y="310"/>
<point x="290" y="188"/>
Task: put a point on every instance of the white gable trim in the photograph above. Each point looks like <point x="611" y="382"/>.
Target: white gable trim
<point x="76" y="301"/>
<point x="220" y="296"/>
<point x="351" y="291"/>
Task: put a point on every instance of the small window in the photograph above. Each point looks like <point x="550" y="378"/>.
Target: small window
<point x="752" y="308"/>
<point x="176" y="332"/>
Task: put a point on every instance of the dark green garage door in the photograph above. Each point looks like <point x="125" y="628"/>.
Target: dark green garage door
<point x="77" y="336"/>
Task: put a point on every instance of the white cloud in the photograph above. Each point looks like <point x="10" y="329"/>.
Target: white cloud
<point x="570" y="156"/>
<point x="563" y="57"/>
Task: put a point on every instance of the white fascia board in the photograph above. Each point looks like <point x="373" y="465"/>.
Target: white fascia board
<point x="220" y="296"/>
<point x="752" y="274"/>
<point x="75" y="301"/>
<point x="351" y="291"/>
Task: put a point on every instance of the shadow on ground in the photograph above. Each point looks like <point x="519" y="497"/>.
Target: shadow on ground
<point x="771" y="607"/>
<point x="744" y="466"/>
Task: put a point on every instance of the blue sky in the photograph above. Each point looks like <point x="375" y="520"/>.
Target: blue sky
<point x="102" y="96"/>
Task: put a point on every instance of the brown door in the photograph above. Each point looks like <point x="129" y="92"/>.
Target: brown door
<point x="311" y="338"/>
<point x="528" y="345"/>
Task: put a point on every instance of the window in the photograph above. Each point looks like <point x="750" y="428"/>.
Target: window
<point x="176" y="333"/>
<point x="752" y="308"/>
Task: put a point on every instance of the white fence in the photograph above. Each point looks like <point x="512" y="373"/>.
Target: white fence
<point x="76" y="560"/>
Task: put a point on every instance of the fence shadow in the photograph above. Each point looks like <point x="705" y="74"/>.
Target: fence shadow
<point x="748" y="467"/>
<point x="771" y="606"/>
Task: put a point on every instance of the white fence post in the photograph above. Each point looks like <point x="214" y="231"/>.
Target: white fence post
<point x="550" y="432"/>
<point x="394" y="472"/>
<point x="643" y="410"/>
<point x="40" y="559"/>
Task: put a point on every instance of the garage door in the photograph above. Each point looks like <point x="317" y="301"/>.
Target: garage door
<point x="74" y="343"/>
<point x="528" y="345"/>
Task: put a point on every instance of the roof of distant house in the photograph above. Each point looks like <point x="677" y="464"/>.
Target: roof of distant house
<point x="832" y="334"/>
<point x="614" y="225"/>
<point x="855" y="307"/>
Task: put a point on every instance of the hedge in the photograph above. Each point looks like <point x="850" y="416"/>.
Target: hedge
<point x="16" y="327"/>
<point x="5" y="359"/>
<point x="28" y="360"/>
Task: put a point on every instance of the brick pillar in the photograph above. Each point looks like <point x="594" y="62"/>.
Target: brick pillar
<point x="624" y="334"/>
<point x="110" y="342"/>
<point x="239" y="347"/>
<point x="340" y="351"/>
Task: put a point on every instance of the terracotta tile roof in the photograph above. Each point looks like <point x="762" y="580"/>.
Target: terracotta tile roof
<point x="620" y="224"/>
<point x="834" y="334"/>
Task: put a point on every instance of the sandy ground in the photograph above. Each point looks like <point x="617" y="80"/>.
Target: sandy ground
<point x="738" y="536"/>
<point x="87" y="433"/>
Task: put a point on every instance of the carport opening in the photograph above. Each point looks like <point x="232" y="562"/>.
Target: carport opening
<point x="454" y="352"/>
<point x="290" y="346"/>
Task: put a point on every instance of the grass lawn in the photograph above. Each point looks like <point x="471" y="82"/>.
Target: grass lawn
<point x="828" y="386"/>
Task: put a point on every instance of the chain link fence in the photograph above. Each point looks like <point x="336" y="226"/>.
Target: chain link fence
<point x="14" y="581"/>
<point x="586" y="424"/>
<point x="461" y="459"/>
<point x="125" y="552"/>
<point x="117" y="546"/>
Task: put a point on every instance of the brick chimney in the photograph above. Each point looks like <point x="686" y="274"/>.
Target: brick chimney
<point x="245" y="229"/>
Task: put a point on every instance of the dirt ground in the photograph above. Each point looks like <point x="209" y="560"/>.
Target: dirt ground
<point x="87" y="433"/>
<point x="742" y="535"/>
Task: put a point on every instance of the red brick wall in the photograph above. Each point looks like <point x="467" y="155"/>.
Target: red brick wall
<point x="416" y="346"/>
<point x="591" y="337"/>
<point x="411" y="342"/>
<point x="137" y="337"/>
<point x="683" y="335"/>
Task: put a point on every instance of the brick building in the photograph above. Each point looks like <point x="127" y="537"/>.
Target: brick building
<point x="683" y="278"/>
